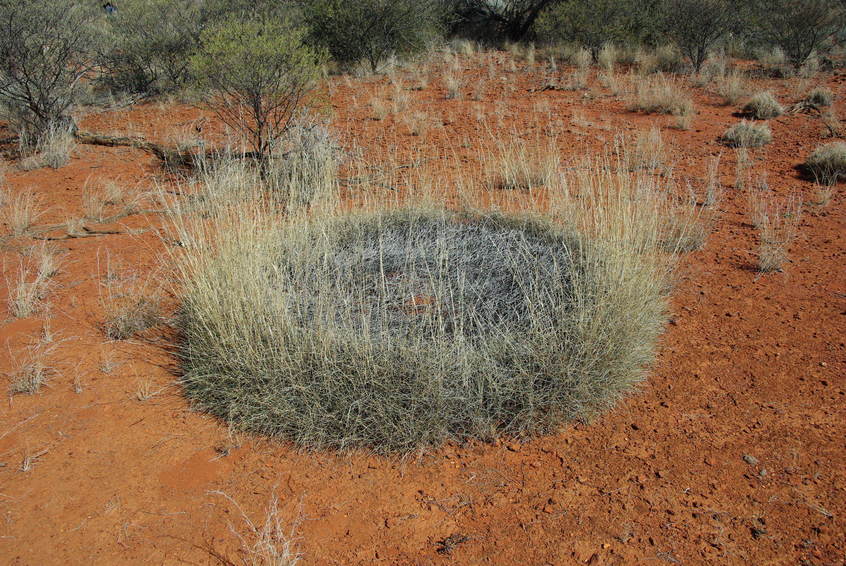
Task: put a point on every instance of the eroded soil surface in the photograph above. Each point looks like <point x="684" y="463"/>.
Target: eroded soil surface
<point x="732" y="452"/>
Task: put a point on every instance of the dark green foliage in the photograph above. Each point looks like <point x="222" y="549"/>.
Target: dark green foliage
<point x="593" y="23"/>
<point x="495" y="21"/>
<point x="372" y="30"/>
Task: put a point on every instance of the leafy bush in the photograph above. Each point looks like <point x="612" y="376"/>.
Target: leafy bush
<point x="594" y="23"/>
<point x="45" y="50"/>
<point x="748" y="134"/>
<point x="827" y="163"/>
<point x="798" y="27"/>
<point x="696" y="26"/>
<point x="259" y="74"/>
<point x="371" y="30"/>
<point x="763" y="106"/>
<point x="150" y="45"/>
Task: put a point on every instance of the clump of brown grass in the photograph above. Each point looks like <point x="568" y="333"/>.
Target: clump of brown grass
<point x="32" y="281"/>
<point x="647" y="152"/>
<point x="403" y="323"/>
<point x="763" y="106"/>
<point x="777" y="222"/>
<point x="52" y="150"/>
<point x="820" y="97"/>
<point x="732" y="87"/>
<point x="748" y="134"/>
<point x="21" y="211"/>
<point x="827" y="163"/>
<point x="32" y="372"/>
<point x="660" y="95"/>
<point x="453" y="85"/>
<point x="268" y="543"/>
<point x="517" y="164"/>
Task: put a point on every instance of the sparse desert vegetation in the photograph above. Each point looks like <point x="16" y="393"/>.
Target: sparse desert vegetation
<point x="389" y="282"/>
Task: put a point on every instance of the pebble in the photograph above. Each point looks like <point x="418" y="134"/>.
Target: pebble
<point x="750" y="459"/>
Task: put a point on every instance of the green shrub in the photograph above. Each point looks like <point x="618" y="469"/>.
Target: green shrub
<point x="827" y="163"/>
<point x="763" y="106"/>
<point x="696" y="26"/>
<point x="799" y="28"/>
<point x="748" y="134"/>
<point x="46" y="48"/>
<point x="258" y="74"/>
<point x="371" y="30"/>
<point x="591" y="24"/>
<point x="150" y="43"/>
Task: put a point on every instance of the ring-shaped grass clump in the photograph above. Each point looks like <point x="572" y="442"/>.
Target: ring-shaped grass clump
<point x="401" y="329"/>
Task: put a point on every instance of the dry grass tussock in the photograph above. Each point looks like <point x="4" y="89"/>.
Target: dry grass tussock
<point x="748" y="134"/>
<point x="53" y="150"/>
<point x="21" y="211"/>
<point x="777" y="223"/>
<point x="827" y="163"/>
<point x="400" y="326"/>
<point x="763" y="106"/>
<point x="517" y="164"/>
<point x="32" y="281"/>
<point x="660" y="95"/>
<point x="32" y="371"/>
<point x="267" y="543"/>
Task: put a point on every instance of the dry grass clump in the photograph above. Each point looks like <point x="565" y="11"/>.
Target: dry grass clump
<point x="21" y="211"/>
<point x="647" y="152"/>
<point x="820" y="97"/>
<point x="748" y="134"/>
<point x="608" y="56"/>
<point x="419" y="122"/>
<point x="53" y="150"/>
<point x="32" y="281"/>
<point x="453" y="85"/>
<point x="32" y="372"/>
<point x="401" y="328"/>
<point x="380" y="108"/>
<point x="660" y="95"/>
<point x="827" y="163"/>
<point x="519" y="165"/>
<point x="266" y="543"/>
<point x="777" y="223"/>
<point x="128" y="314"/>
<point x="731" y="87"/>
<point x="763" y="106"/>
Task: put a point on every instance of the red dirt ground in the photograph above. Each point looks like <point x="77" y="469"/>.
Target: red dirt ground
<point x="732" y="452"/>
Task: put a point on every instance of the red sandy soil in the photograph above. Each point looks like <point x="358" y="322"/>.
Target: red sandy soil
<point x="732" y="452"/>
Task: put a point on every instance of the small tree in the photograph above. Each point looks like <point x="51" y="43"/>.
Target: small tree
<point x="372" y="30"/>
<point x="697" y="25"/>
<point x="799" y="27"/>
<point x="259" y="73"/>
<point x="45" y="50"/>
